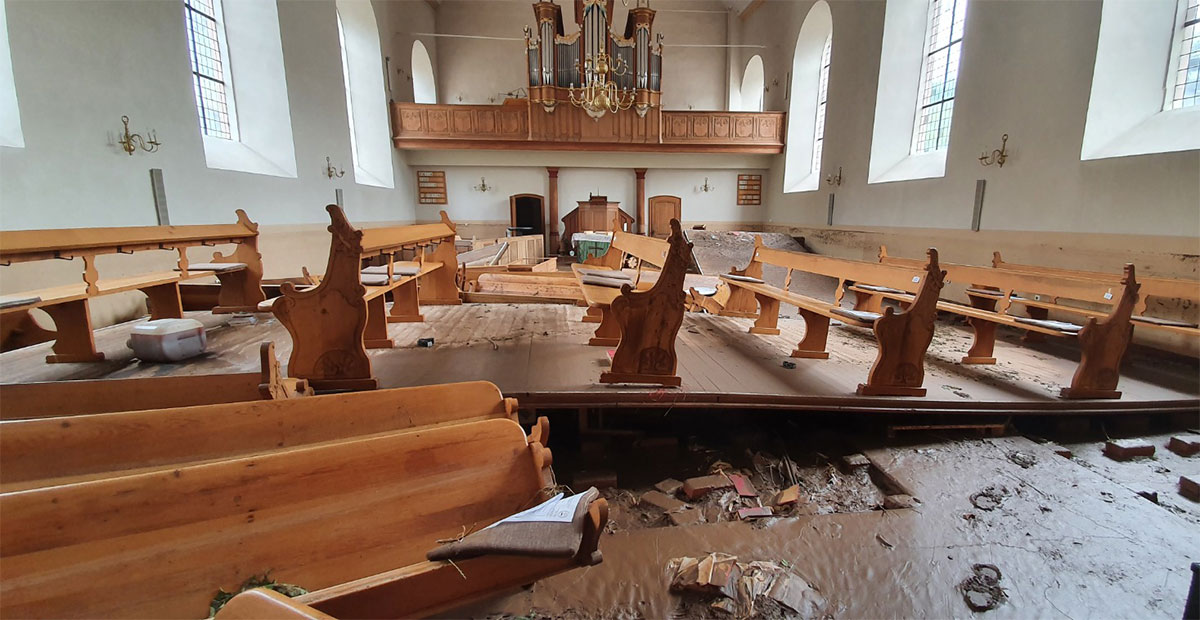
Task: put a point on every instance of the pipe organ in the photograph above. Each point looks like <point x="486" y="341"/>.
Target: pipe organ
<point x="593" y="67"/>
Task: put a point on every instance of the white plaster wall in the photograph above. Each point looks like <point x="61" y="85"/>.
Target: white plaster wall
<point x="398" y="21"/>
<point x="75" y="79"/>
<point x="474" y="71"/>
<point x="1026" y="72"/>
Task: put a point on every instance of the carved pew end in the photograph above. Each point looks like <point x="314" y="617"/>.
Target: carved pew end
<point x="978" y="360"/>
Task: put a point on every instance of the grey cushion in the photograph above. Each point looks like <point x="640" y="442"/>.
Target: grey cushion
<point x="378" y="279"/>
<point x="732" y="276"/>
<point x="601" y="281"/>
<point x="214" y="266"/>
<point x="615" y="274"/>
<point x="404" y="270"/>
<point x="881" y="289"/>
<point x="1061" y="326"/>
<point x="17" y="301"/>
<point x="1157" y="321"/>
<point x="858" y="315"/>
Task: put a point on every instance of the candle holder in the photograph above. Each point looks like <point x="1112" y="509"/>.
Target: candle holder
<point x="131" y="142"/>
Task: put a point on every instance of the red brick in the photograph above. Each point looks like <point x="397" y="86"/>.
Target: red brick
<point x="695" y="488"/>
<point x="1125" y="449"/>
<point x="1189" y="487"/>
<point x="661" y="501"/>
<point x="1184" y="445"/>
<point x="1062" y="451"/>
<point x="744" y="487"/>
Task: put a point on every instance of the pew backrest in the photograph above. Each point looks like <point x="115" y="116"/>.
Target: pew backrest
<point x="160" y="544"/>
<point x="906" y="276"/>
<point x="1167" y="288"/>
<point x="48" y="451"/>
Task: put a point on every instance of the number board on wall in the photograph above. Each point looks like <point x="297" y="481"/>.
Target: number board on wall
<point x="431" y="187"/>
<point x="749" y="190"/>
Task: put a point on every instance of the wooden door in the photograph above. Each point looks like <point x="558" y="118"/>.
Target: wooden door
<point x="662" y="210"/>
<point x="528" y="211"/>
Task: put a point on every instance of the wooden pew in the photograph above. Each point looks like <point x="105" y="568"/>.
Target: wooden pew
<point x="902" y="337"/>
<point x="1188" y="291"/>
<point x="992" y="293"/>
<point x="240" y="273"/>
<point x="351" y="521"/>
<point x="649" y="320"/>
<point x="334" y="322"/>
<point x="61" y="398"/>
<point x="56" y="450"/>
<point x="646" y="250"/>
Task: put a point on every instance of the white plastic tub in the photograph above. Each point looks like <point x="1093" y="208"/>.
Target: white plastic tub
<point x="168" y="340"/>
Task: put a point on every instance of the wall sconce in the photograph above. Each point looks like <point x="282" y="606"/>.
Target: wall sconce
<point x="998" y="156"/>
<point x="132" y="142"/>
<point x="832" y="180"/>
<point x="330" y="171"/>
<point x="707" y="187"/>
<point x="483" y="186"/>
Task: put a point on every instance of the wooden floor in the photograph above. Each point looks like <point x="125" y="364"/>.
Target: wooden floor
<point x="538" y="354"/>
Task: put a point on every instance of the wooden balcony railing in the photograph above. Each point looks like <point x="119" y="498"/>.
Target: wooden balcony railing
<point x="520" y="125"/>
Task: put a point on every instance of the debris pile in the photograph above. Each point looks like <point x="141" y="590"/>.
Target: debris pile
<point x="719" y="583"/>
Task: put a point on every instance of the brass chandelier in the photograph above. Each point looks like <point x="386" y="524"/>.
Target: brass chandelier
<point x="599" y="94"/>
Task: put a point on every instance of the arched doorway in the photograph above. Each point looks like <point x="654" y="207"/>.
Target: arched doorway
<point x="527" y="211"/>
<point x="424" y="86"/>
<point x="662" y="210"/>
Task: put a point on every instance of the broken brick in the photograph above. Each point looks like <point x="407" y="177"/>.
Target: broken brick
<point x="896" y="502"/>
<point x="599" y="479"/>
<point x="789" y="495"/>
<point x="661" y="501"/>
<point x="1184" y="445"/>
<point x="742" y="484"/>
<point x="755" y="512"/>
<point x="695" y="488"/>
<point x="851" y="462"/>
<point x="1189" y="487"/>
<point x="670" y="486"/>
<point x="689" y="516"/>
<point x="1125" y="449"/>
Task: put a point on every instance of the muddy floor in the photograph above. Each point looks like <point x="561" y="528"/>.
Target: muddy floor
<point x="1002" y="522"/>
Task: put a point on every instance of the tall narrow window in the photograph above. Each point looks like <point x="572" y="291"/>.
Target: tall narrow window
<point x="1183" y="86"/>
<point x="210" y="74"/>
<point x="346" y="83"/>
<point x="939" y="75"/>
<point x="822" y="97"/>
<point x="424" y="85"/>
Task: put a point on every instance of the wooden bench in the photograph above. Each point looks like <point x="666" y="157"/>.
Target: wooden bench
<point x="646" y="250"/>
<point x="351" y="521"/>
<point x="334" y="322"/>
<point x="240" y="273"/>
<point x="992" y="292"/>
<point x="62" y="398"/>
<point x="1187" y="291"/>
<point x="648" y="320"/>
<point x="902" y="337"/>
<point x="55" y="450"/>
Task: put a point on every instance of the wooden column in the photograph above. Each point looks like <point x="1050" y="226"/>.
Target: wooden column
<point x="642" y="227"/>
<point x="552" y="211"/>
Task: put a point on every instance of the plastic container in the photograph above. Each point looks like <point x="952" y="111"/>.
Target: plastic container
<point x="168" y="340"/>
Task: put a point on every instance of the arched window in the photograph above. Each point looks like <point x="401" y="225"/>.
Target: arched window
<point x="424" y="86"/>
<point x="10" y="115"/>
<point x="255" y="135"/>
<point x="752" y="86"/>
<point x="366" y="97"/>
<point x="806" y="111"/>
<point x="939" y="75"/>
<point x="1183" y="85"/>
<point x="209" y="53"/>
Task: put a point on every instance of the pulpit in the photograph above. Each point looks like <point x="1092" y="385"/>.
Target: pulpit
<point x="595" y="214"/>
